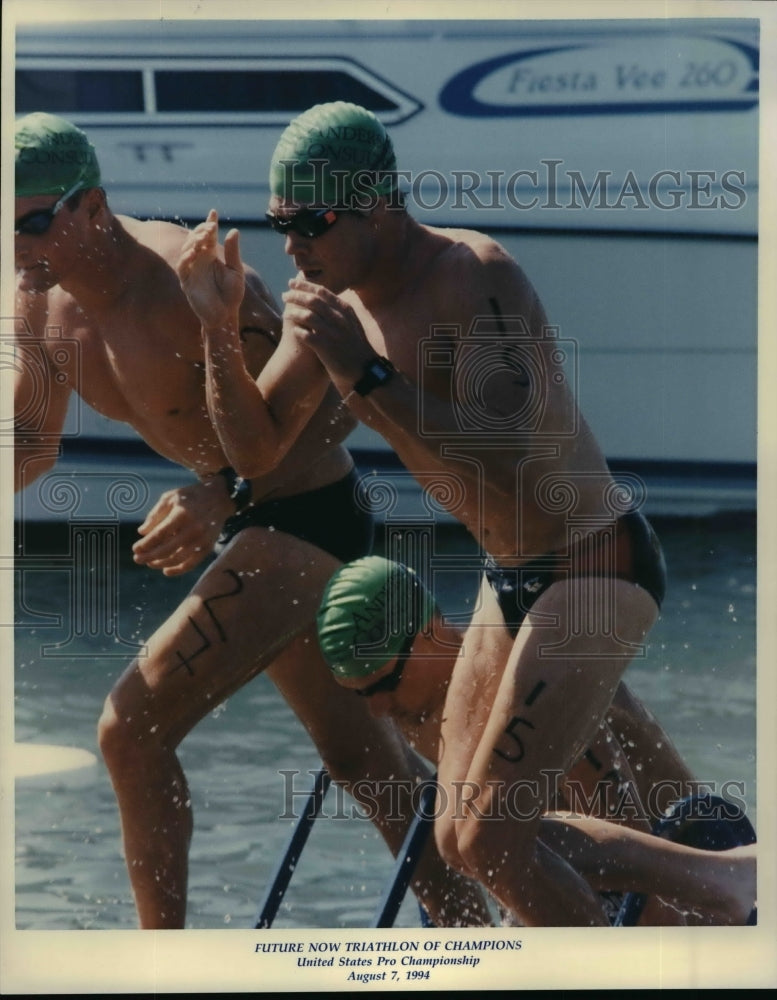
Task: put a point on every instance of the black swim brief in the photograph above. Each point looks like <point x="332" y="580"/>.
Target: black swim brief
<point x="626" y="550"/>
<point x="330" y="518"/>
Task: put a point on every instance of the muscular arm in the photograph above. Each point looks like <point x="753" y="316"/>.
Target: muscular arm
<point x="257" y="420"/>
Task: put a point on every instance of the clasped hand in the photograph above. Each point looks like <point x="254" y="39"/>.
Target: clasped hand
<point x="213" y="284"/>
<point x="328" y="326"/>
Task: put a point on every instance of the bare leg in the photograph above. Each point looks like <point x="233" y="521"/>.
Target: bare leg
<point x="241" y="614"/>
<point x="602" y="784"/>
<point x="243" y="609"/>
<point x="546" y="711"/>
<point x="660" y="772"/>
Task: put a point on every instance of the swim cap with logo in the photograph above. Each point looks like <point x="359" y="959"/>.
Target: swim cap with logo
<point x="335" y="154"/>
<point x="52" y="156"/>
<point x="369" y="608"/>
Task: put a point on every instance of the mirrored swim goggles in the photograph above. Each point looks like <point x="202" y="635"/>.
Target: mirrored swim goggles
<point x="38" y="222"/>
<point x="391" y="681"/>
<point x="307" y="222"/>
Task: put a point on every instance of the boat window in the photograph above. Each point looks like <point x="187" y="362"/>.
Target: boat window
<point x="261" y="90"/>
<point x="68" y="90"/>
<point x="65" y="91"/>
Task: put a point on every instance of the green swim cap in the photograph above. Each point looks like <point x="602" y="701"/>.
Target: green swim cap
<point x="369" y="608"/>
<point x="52" y="156"/>
<point x="335" y="154"/>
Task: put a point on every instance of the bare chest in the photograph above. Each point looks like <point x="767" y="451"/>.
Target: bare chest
<point x="416" y="339"/>
<point x="131" y="368"/>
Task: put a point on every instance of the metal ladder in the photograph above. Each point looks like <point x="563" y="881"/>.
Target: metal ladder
<point x="404" y="865"/>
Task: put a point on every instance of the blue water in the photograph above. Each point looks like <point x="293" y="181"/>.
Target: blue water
<point x="698" y="677"/>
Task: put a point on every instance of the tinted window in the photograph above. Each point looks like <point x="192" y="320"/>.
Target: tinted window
<point x="69" y="90"/>
<point x="261" y="90"/>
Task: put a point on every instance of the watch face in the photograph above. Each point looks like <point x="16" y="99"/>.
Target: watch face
<point x="376" y="373"/>
<point x="242" y="493"/>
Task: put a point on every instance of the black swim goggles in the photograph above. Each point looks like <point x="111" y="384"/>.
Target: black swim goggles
<point x="38" y="222"/>
<point x="391" y="681"/>
<point x="307" y="222"/>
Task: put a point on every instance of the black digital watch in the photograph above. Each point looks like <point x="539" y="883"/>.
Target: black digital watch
<point x="239" y="489"/>
<point x="378" y="371"/>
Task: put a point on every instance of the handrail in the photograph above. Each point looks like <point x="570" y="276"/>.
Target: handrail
<point x="299" y="835"/>
<point x="404" y="865"/>
<point x="407" y="859"/>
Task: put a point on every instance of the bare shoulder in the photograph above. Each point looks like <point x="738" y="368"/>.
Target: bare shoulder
<point x="257" y="291"/>
<point x="163" y="238"/>
<point x="167" y="240"/>
<point x="477" y="270"/>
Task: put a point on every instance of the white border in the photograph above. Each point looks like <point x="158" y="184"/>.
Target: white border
<point x="224" y="961"/>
